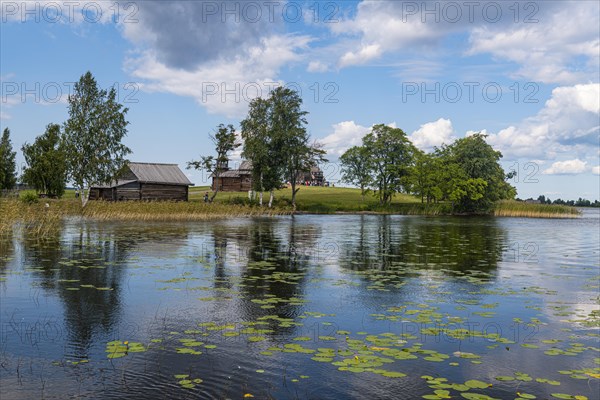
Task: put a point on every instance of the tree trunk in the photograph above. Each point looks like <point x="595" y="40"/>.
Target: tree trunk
<point x="294" y="191"/>
<point x="271" y="199"/>
<point x="216" y="189"/>
<point x="260" y="198"/>
<point x="85" y="197"/>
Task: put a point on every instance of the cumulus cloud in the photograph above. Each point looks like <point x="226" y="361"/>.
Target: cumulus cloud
<point x="567" y="124"/>
<point x="433" y="134"/>
<point x="568" y="167"/>
<point x="379" y="27"/>
<point x="552" y="50"/>
<point x="345" y="135"/>
<point x="361" y="56"/>
<point x="186" y="34"/>
<point x="227" y="84"/>
<point x="596" y="170"/>
<point x="223" y="54"/>
<point x="179" y="46"/>
<point x="543" y="40"/>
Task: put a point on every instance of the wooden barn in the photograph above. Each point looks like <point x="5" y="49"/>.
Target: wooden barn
<point x="145" y="181"/>
<point x="234" y="180"/>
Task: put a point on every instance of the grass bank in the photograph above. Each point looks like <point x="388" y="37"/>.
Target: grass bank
<point x="323" y="200"/>
<point x="511" y="208"/>
<point x="329" y="200"/>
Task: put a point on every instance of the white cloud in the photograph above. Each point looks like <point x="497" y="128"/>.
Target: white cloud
<point x="225" y="85"/>
<point x="568" y="124"/>
<point x="363" y="55"/>
<point x="553" y="50"/>
<point x="596" y="170"/>
<point x="345" y="135"/>
<point x="378" y="27"/>
<point x="433" y="134"/>
<point x="317" y="66"/>
<point x="569" y="167"/>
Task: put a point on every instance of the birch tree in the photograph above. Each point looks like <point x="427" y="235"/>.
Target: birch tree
<point x="92" y="136"/>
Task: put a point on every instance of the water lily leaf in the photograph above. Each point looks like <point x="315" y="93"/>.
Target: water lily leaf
<point x="475" y="384"/>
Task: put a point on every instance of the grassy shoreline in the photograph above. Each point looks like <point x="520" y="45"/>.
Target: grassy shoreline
<point x="511" y="208"/>
<point x="38" y="217"/>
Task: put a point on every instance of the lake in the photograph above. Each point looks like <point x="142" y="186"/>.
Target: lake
<point x="308" y="307"/>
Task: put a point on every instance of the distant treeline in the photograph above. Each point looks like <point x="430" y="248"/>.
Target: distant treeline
<point x="573" y="203"/>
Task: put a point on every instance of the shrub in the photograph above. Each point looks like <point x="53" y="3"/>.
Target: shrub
<point x="29" y="197"/>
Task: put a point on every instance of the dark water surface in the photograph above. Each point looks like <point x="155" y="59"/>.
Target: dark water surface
<point x="309" y="307"/>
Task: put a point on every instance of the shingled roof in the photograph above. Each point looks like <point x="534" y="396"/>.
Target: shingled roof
<point x="166" y="174"/>
<point x="159" y="173"/>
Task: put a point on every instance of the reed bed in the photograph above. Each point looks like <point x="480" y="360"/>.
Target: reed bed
<point x="172" y="211"/>
<point x="511" y="208"/>
<point x="38" y="219"/>
<point x="44" y="217"/>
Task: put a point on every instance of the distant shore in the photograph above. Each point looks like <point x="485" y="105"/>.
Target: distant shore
<point x="46" y="214"/>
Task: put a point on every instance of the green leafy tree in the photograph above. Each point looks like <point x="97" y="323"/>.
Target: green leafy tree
<point x="46" y="162"/>
<point x="481" y="171"/>
<point x="425" y="177"/>
<point x="356" y="168"/>
<point x="276" y="141"/>
<point x="392" y="155"/>
<point x="290" y="140"/>
<point x="8" y="167"/>
<point x="93" y="134"/>
<point x="260" y="149"/>
<point x="225" y="141"/>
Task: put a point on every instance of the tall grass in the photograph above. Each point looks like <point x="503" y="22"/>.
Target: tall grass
<point x="511" y="208"/>
<point x="38" y="219"/>
<point x="42" y="217"/>
<point x="170" y="211"/>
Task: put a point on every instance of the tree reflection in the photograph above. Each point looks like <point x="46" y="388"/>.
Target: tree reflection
<point x="385" y="242"/>
<point x="270" y="259"/>
<point x="86" y="265"/>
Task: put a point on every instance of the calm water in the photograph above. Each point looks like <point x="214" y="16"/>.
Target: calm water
<point x="319" y="307"/>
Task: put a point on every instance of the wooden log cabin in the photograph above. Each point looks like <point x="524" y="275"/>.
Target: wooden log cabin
<point x="145" y="181"/>
<point x="234" y="180"/>
<point x="240" y="180"/>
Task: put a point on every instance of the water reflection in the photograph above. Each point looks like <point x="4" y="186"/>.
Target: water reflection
<point x="6" y="251"/>
<point x="86" y="266"/>
<point x="385" y="242"/>
<point x="270" y="261"/>
<point x="326" y="280"/>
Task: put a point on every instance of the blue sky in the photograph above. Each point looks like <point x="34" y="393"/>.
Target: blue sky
<point x="525" y="73"/>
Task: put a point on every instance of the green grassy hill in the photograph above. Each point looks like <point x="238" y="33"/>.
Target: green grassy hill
<point x="328" y="200"/>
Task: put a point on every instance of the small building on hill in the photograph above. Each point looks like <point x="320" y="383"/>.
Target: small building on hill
<point x="314" y="177"/>
<point x="240" y="180"/>
<point x="234" y="180"/>
<point x="145" y="181"/>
